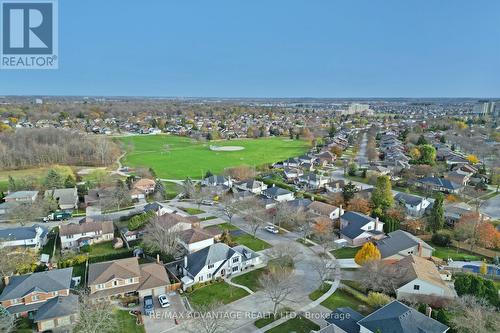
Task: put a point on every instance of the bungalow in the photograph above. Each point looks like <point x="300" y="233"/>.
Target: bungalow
<point x="21" y="196"/>
<point x="217" y="181"/>
<point x="217" y="260"/>
<point x="34" y="236"/>
<point x="414" y="205"/>
<point x="394" y="317"/>
<point x="378" y="170"/>
<point x="439" y="184"/>
<point x="324" y="209"/>
<point x="254" y="186"/>
<point x="87" y="232"/>
<point x="399" y="244"/>
<point x="278" y="194"/>
<point x="358" y="229"/>
<point x="125" y="277"/>
<point x="25" y="294"/>
<point x="162" y="209"/>
<point x="420" y="278"/>
<point x="66" y="198"/>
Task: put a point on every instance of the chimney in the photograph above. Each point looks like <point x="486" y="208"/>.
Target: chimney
<point x="6" y="280"/>
<point x="185" y="261"/>
<point x="158" y="258"/>
<point x="419" y="249"/>
<point x="341" y="211"/>
<point x="428" y="311"/>
<point x="274" y="184"/>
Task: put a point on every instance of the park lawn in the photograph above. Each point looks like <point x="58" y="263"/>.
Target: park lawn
<point x="174" y="157"/>
<point x="217" y="292"/>
<point x="298" y="324"/>
<point x="345" y="252"/>
<point x="444" y="253"/>
<point x="37" y="173"/>
<point x="193" y="211"/>
<point x="126" y="323"/>
<point x="320" y="291"/>
<point x="250" y="279"/>
<point x="341" y="298"/>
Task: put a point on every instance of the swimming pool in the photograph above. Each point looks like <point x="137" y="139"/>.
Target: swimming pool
<point x="492" y="270"/>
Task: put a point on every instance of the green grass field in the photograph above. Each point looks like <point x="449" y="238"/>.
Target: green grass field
<point x="174" y="157"/>
<point x="218" y="292"/>
<point x="37" y="173"/>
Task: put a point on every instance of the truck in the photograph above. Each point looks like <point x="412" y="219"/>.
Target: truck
<point x="57" y="216"/>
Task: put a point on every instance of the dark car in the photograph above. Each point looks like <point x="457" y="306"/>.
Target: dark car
<point x="148" y="305"/>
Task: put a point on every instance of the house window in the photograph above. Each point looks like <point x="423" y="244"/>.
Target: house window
<point x="84" y="233"/>
<point x="115" y="283"/>
<point x="130" y="280"/>
<point x="14" y="301"/>
<point x="55" y="293"/>
<point x="416" y="287"/>
<point x="209" y="275"/>
<point x="34" y="298"/>
<point x="200" y="278"/>
<point x="100" y="286"/>
<point x="237" y="259"/>
<point x="210" y="266"/>
<point x="235" y="268"/>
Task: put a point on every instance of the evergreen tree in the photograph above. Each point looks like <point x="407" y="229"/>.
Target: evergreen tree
<point x="348" y="192"/>
<point x="53" y="180"/>
<point x="69" y="182"/>
<point x="421" y="141"/>
<point x="436" y="219"/>
<point x="12" y="184"/>
<point x="382" y="193"/>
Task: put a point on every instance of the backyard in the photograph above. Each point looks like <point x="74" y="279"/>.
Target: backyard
<point x="243" y="238"/>
<point x="342" y="298"/>
<point x="454" y="253"/>
<point x="174" y="157"/>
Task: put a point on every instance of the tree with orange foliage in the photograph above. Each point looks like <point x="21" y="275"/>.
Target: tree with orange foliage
<point x="360" y="205"/>
<point x="368" y="253"/>
<point x="323" y="231"/>
<point x="471" y="228"/>
<point x="336" y="150"/>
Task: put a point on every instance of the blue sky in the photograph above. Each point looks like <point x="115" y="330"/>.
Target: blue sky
<point x="272" y="48"/>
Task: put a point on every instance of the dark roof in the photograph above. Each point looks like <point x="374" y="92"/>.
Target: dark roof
<point x="346" y="319"/>
<point x="48" y="281"/>
<point x="409" y="199"/>
<point x="275" y="191"/>
<point x="441" y="182"/>
<point x="21" y="233"/>
<point x="209" y="255"/>
<point x="397" y="241"/>
<point x="396" y="317"/>
<point x="355" y="221"/>
<point x="299" y="203"/>
<point x="57" y="307"/>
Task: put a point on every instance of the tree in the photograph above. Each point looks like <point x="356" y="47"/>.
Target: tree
<point x="160" y="192"/>
<point x="336" y="150"/>
<point x="353" y="168"/>
<point x="377" y="300"/>
<point x="323" y="231"/>
<point x="436" y="218"/>
<point x="472" y="159"/>
<point x="415" y="154"/>
<point x="284" y="255"/>
<point x="472" y="229"/>
<point x="241" y="172"/>
<point x="161" y="235"/>
<point x="95" y="317"/>
<point x="484" y="268"/>
<point x="210" y="319"/>
<point x="473" y="315"/>
<point x="255" y="220"/>
<point x="69" y="182"/>
<point x="53" y="180"/>
<point x="12" y="184"/>
<point x="348" y="192"/>
<point x="477" y="286"/>
<point x="277" y="286"/>
<point x="359" y="205"/>
<point x="421" y="140"/>
<point x="382" y="277"/>
<point x="326" y="268"/>
<point x="7" y="321"/>
<point x="188" y="188"/>
<point x="229" y="207"/>
<point x="382" y="193"/>
<point x="368" y="252"/>
<point x="119" y="197"/>
<point x="427" y="154"/>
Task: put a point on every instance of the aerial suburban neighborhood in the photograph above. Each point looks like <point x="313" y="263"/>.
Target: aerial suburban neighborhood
<point x="132" y="203"/>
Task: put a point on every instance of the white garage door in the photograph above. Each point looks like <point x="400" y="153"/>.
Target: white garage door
<point x="46" y="325"/>
<point x="64" y="321"/>
<point x="158" y="291"/>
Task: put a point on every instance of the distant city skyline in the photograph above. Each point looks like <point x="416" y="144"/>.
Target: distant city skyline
<point x="271" y="49"/>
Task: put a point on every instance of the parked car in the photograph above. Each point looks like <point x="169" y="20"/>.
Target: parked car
<point x="207" y="202"/>
<point x="164" y="302"/>
<point x="272" y="229"/>
<point x="148" y="305"/>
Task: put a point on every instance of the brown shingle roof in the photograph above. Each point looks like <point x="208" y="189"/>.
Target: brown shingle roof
<point x="103" y="272"/>
<point x="153" y="275"/>
<point x="421" y="268"/>
<point x="105" y="227"/>
<point x="194" y="235"/>
<point x="321" y="208"/>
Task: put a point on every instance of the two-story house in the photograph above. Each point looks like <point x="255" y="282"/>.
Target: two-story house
<point x="34" y="236"/>
<point x="217" y="180"/>
<point x="217" y="260"/>
<point x="39" y="294"/>
<point x="414" y="205"/>
<point x="127" y="277"/>
<point x="358" y="229"/>
<point x="87" y="232"/>
<point x="314" y="180"/>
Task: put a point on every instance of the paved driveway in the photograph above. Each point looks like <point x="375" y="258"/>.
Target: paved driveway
<point x="163" y="318"/>
<point x="491" y="207"/>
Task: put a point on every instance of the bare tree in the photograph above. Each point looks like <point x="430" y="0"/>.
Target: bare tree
<point x="7" y="321"/>
<point x="13" y="259"/>
<point x="255" y="220"/>
<point x="277" y="286"/>
<point x="95" y="316"/>
<point x="474" y="315"/>
<point x="326" y="268"/>
<point x="300" y="219"/>
<point x="188" y="188"/>
<point x="161" y="235"/>
<point x="210" y="319"/>
<point x="281" y="213"/>
<point x="284" y="254"/>
<point x="379" y="276"/>
<point x="229" y="207"/>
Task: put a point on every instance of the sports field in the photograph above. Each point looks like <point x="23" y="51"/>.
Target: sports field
<point x="174" y="157"/>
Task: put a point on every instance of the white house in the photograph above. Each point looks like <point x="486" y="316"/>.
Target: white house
<point x="421" y="278"/>
<point x="217" y="260"/>
<point x="195" y="239"/>
<point x="314" y="180"/>
<point x="254" y="186"/>
<point x="278" y="194"/>
<point x="34" y="236"/>
<point x="292" y="173"/>
<point x="358" y="229"/>
<point x="88" y="232"/>
<point x="217" y="181"/>
<point x="414" y="205"/>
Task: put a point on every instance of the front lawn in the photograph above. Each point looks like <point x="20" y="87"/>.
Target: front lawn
<point x="297" y="324"/>
<point x="320" y="291"/>
<point x="217" y="292"/>
<point x="228" y="226"/>
<point x="341" y="298"/>
<point x="454" y="253"/>
<point x="244" y="238"/>
<point x="269" y="318"/>
<point x="250" y="279"/>
<point x="126" y="323"/>
<point x="345" y="252"/>
<point x="193" y="211"/>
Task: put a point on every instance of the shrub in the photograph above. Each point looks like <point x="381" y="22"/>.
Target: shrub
<point x="441" y="239"/>
<point x="85" y="249"/>
<point x="377" y="300"/>
<point x="139" y="221"/>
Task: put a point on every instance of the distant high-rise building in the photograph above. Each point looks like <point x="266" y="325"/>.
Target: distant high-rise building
<point x="359" y="108"/>
<point x="483" y="108"/>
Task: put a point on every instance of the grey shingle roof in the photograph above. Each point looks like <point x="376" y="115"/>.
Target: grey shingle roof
<point x="275" y="191"/>
<point x="21" y="233"/>
<point x="355" y="222"/>
<point x="209" y="255"/>
<point x="346" y="319"/>
<point x="396" y="317"/>
<point x="409" y="199"/>
<point x="442" y="182"/>
<point x="21" y="194"/>
<point x="21" y="285"/>
<point x="397" y="241"/>
<point x="57" y="307"/>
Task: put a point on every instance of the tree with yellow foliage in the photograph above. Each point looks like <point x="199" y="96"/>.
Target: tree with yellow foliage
<point x="472" y="159"/>
<point x="484" y="268"/>
<point x="367" y="253"/>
